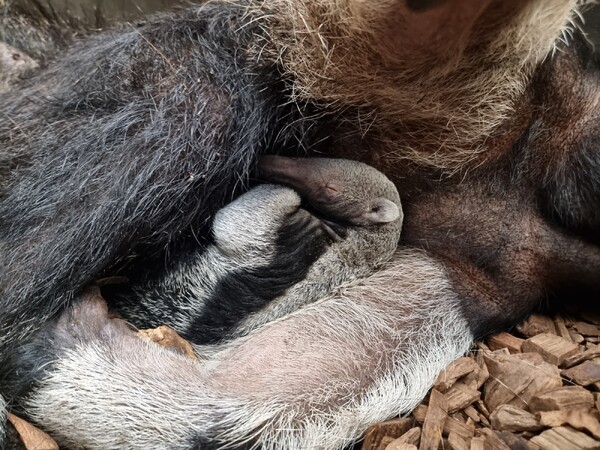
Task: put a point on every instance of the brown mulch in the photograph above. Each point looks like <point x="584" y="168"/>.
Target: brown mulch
<point x="537" y="387"/>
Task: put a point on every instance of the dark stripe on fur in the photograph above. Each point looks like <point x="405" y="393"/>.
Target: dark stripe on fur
<point x="246" y="291"/>
<point x="26" y="365"/>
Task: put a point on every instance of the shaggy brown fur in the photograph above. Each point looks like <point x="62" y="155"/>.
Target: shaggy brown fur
<point x="428" y="88"/>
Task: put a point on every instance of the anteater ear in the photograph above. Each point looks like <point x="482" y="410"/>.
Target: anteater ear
<point x="382" y="210"/>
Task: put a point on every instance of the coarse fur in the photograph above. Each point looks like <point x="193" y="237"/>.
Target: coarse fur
<point x="31" y="31"/>
<point x="270" y="255"/>
<point x="481" y="123"/>
<point x="429" y="87"/>
<point x="3" y="421"/>
<point x="263" y="243"/>
<point x="14" y="64"/>
<point x="283" y="386"/>
<point x="103" y="107"/>
<point x="190" y="134"/>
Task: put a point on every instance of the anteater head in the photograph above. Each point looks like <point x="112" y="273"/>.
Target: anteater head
<point x="345" y="191"/>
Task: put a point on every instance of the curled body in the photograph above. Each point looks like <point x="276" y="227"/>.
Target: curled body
<point x="271" y="253"/>
<point x="483" y="113"/>
<point x="312" y="379"/>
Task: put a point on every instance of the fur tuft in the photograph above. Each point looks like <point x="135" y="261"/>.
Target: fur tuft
<point x="432" y="108"/>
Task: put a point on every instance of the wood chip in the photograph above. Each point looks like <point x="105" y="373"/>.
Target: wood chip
<point x="515" y="380"/>
<point x="387" y="440"/>
<point x="469" y="422"/>
<point x="472" y="413"/>
<point x="561" y="328"/>
<point x="565" y="438"/>
<point x="419" y="413"/>
<point x="484" y="373"/>
<point x="456" y="426"/>
<point x="579" y="419"/>
<point x="476" y="378"/>
<point x="585" y="373"/>
<point x="393" y="446"/>
<point x="514" y="442"/>
<point x="587" y="329"/>
<point x="478" y="443"/>
<point x="532" y="358"/>
<point x="591" y="353"/>
<point x="391" y="428"/>
<point x="536" y="324"/>
<point x="535" y="405"/>
<point x="457" y="442"/>
<point x="485" y="422"/>
<point x="461" y="396"/>
<point x="554" y="349"/>
<point x="454" y="371"/>
<point x="567" y="397"/>
<point x="576" y="337"/>
<point x="437" y="412"/>
<point x="32" y="438"/>
<point x="167" y="337"/>
<point x="482" y="409"/>
<point x="492" y="441"/>
<point x="505" y="340"/>
<point x="484" y="413"/>
<point x="513" y="418"/>
<point x="411" y="437"/>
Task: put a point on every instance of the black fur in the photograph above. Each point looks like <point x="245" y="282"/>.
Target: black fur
<point x="247" y="291"/>
<point x="27" y="364"/>
<point x="123" y="144"/>
<point x="570" y="192"/>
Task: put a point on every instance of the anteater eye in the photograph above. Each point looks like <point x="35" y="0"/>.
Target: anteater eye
<point x="16" y="56"/>
<point x="331" y="191"/>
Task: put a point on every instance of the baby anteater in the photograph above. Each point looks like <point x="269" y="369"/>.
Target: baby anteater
<point x="273" y="253"/>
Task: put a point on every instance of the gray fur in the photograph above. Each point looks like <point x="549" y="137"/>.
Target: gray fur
<point x="3" y="422"/>
<point x="14" y="64"/>
<point x="369" y="242"/>
<point x="245" y="234"/>
<point x="179" y="107"/>
<point x="313" y="380"/>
